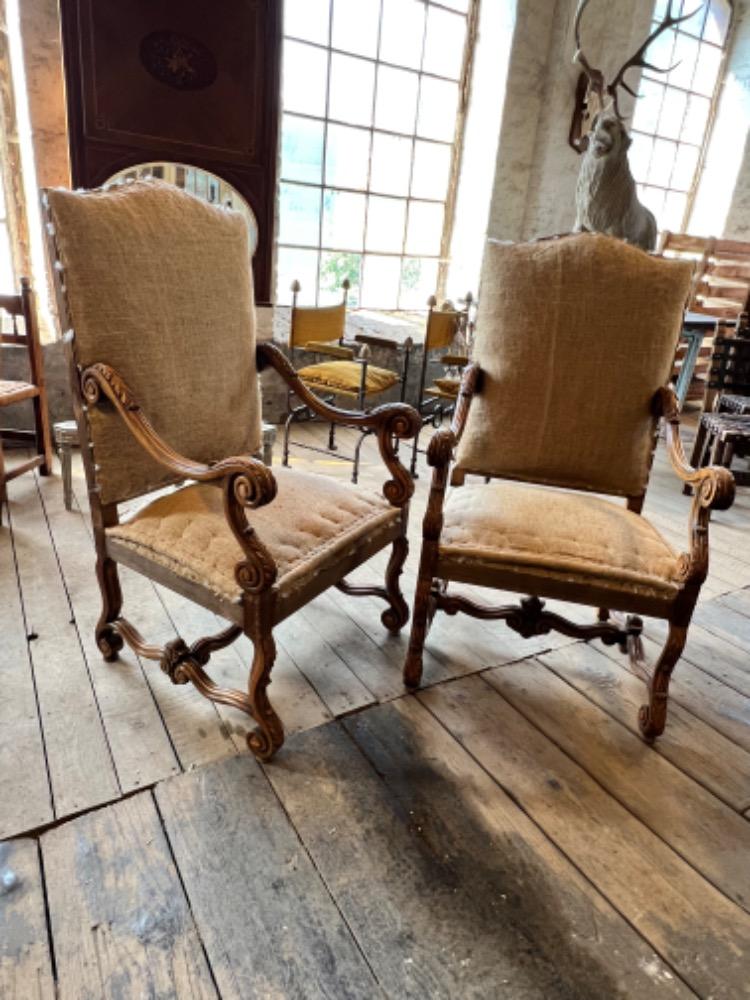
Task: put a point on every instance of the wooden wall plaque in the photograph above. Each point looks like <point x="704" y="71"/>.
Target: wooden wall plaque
<point x="185" y="81"/>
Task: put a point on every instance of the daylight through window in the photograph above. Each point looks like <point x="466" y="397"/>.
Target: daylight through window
<point x="371" y="100"/>
<point x="672" y="116"/>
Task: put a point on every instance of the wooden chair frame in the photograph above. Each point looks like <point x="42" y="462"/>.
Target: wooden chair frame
<point x="246" y="484"/>
<point x="24" y="305"/>
<point x="338" y="352"/>
<point x="713" y="489"/>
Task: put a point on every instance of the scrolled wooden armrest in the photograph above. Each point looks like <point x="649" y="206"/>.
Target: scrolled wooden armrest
<point x="713" y="486"/>
<point x="389" y="421"/>
<point x="254" y="480"/>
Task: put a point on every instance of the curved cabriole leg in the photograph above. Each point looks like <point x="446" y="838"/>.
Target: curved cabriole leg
<point x="419" y="626"/>
<point x="269" y="736"/>
<point x="397" y="615"/>
<point x="653" y="717"/>
<point x="107" y="638"/>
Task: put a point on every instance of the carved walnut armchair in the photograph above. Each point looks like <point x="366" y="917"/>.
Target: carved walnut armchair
<point x="574" y="345"/>
<point x="155" y="291"/>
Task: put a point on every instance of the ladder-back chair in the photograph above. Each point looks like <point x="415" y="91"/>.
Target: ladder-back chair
<point x="574" y="344"/>
<point x="22" y="308"/>
<point x="156" y="293"/>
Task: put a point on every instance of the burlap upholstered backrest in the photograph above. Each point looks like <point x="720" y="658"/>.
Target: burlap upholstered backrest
<point x="158" y="285"/>
<point x="574" y="337"/>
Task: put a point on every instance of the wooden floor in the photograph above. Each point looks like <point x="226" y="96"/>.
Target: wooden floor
<point x="503" y="833"/>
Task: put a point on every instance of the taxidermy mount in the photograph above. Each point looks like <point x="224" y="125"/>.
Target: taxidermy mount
<point x="606" y="196"/>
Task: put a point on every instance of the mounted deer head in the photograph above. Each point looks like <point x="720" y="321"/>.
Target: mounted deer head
<point x="606" y="198"/>
<point x="593" y="93"/>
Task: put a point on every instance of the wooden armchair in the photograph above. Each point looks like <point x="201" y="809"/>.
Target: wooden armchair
<point x="156" y="297"/>
<point x="574" y="345"/>
<point x="346" y="373"/>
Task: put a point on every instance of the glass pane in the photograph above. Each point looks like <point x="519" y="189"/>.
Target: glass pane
<point x="385" y="224"/>
<point x="653" y="198"/>
<point x="672" y="113"/>
<point x="396" y="103"/>
<point x="391" y="164"/>
<point x="402" y="32"/>
<point x="662" y="162"/>
<point x="418" y="282"/>
<point x="347" y="156"/>
<point x="462" y="5"/>
<point x="299" y="214"/>
<point x="717" y="22"/>
<point x="296" y="265"/>
<point x="438" y="100"/>
<point x="685" y="164"/>
<point x="355" y="26"/>
<point x="674" y="212"/>
<point x="380" y="282"/>
<point x="304" y="79"/>
<point x="432" y="165"/>
<point x="694" y="25"/>
<point x="660" y="51"/>
<point x="639" y="155"/>
<point x="696" y="118"/>
<point x="307" y="19"/>
<point x="648" y="107"/>
<point x="685" y="55"/>
<point x="334" y="268"/>
<point x="707" y="70"/>
<point x="352" y="82"/>
<point x="425" y="230"/>
<point x="444" y="44"/>
<point x="343" y="220"/>
<point x="301" y="149"/>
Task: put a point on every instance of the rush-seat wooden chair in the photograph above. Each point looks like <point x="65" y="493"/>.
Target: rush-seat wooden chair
<point x="446" y="327"/>
<point x="156" y="296"/>
<point x="22" y="307"/>
<point x="348" y="372"/>
<point x="573" y="349"/>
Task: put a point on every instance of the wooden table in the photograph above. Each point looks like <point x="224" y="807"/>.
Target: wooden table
<point x="694" y="329"/>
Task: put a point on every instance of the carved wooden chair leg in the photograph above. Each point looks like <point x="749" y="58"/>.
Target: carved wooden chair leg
<point x="108" y="639"/>
<point x="652" y="718"/>
<point x="397" y="615"/>
<point x="419" y="628"/>
<point x="269" y="736"/>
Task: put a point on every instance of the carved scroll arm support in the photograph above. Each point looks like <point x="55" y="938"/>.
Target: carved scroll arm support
<point x="390" y="422"/>
<point x="246" y="481"/>
<point x="713" y="489"/>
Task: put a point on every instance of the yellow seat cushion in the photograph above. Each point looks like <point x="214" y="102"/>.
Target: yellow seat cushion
<point x="312" y="521"/>
<point x="504" y="526"/>
<point x="344" y="377"/>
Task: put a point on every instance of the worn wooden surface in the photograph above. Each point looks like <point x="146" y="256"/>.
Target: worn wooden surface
<point x="504" y="833"/>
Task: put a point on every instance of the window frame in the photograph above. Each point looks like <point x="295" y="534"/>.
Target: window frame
<point x="702" y="147"/>
<point x="454" y="146"/>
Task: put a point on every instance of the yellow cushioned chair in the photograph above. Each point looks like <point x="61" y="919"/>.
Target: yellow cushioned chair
<point x="155" y="292"/>
<point x="320" y="330"/>
<point x="574" y="346"/>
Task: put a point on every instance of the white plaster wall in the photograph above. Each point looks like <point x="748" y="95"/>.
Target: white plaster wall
<point x="534" y="190"/>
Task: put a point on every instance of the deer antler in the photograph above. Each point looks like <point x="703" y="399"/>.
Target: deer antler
<point x="638" y="59"/>
<point x="596" y="77"/>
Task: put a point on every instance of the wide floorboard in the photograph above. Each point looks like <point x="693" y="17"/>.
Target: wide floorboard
<point x="503" y="833"/>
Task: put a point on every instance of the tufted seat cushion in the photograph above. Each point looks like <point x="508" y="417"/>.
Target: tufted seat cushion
<point x="506" y="526"/>
<point x="312" y="521"/>
<point x="344" y="377"/>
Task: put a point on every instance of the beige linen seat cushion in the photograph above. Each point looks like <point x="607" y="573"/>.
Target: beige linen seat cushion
<point x="497" y="528"/>
<point x="312" y="521"/>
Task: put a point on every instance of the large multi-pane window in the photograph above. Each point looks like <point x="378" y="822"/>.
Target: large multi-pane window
<point x="673" y="114"/>
<point x="371" y="99"/>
